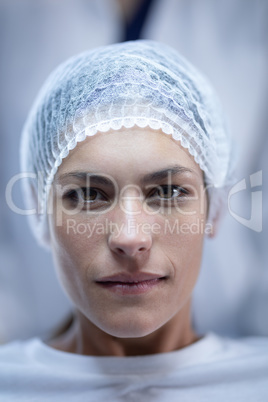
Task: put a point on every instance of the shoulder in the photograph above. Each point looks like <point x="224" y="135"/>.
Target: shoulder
<point x="236" y="364"/>
<point x="237" y="349"/>
<point x="245" y="346"/>
<point x="17" y="352"/>
<point x="225" y="367"/>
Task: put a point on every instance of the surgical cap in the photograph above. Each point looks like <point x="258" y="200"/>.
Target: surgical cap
<point x="142" y="83"/>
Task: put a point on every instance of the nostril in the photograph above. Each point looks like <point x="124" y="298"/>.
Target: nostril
<point x="129" y="246"/>
<point x="142" y="249"/>
<point x="129" y="250"/>
<point x="120" y="251"/>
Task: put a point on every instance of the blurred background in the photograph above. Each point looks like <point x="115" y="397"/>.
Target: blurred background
<point x="227" y="41"/>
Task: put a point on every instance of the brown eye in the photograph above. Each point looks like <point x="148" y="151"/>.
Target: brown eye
<point x="89" y="194"/>
<point x="168" y="192"/>
<point x="86" y="196"/>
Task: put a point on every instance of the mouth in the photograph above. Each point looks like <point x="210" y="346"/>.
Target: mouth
<point x="124" y="284"/>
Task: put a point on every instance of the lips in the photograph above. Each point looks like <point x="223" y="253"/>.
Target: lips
<point x="126" y="284"/>
<point x="127" y="278"/>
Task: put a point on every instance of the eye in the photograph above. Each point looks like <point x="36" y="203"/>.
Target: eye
<point x="88" y="197"/>
<point x="90" y="194"/>
<point x="168" y="192"/>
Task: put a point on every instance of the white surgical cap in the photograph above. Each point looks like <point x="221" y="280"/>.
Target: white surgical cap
<point x="143" y="83"/>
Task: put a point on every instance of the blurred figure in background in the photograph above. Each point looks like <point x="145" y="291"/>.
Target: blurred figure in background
<point x="227" y="41"/>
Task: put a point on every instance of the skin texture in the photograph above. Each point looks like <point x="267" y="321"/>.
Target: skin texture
<point x="160" y="231"/>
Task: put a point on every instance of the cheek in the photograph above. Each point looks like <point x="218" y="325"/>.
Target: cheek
<point x="183" y="245"/>
<point x="77" y="236"/>
<point x="74" y="245"/>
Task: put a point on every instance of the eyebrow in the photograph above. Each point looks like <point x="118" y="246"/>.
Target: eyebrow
<point x="84" y="176"/>
<point x="148" y="178"/>
<point x="164" y="173"/>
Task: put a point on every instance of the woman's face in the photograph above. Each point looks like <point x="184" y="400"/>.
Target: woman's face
<point x="127" y="228"/>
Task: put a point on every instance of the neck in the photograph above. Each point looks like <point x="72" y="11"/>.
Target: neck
<point x="86" y="339"/>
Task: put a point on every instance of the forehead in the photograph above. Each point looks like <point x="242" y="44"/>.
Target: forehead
<point x="131" y="150"/>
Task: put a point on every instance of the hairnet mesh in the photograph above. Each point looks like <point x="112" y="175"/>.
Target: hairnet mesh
<point x="141" y="83"/>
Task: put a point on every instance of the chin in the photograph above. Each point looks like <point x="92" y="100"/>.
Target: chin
<point x="130" y="329"/>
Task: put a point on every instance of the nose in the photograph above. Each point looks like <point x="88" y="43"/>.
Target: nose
<point x="130" y="240"/>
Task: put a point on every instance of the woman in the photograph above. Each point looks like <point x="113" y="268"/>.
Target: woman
<point x="130" y="162"/>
